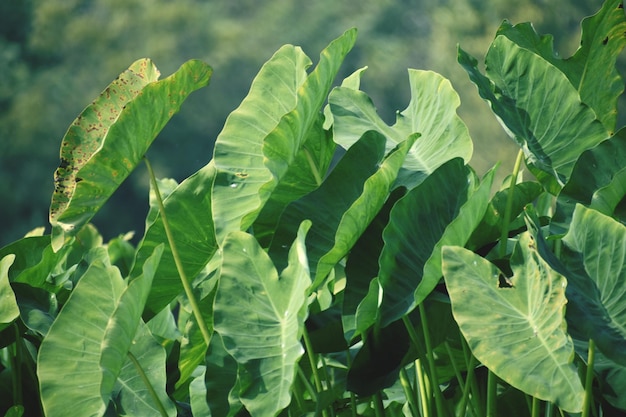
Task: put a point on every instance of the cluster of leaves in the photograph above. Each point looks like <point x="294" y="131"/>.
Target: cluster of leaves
<point x="408" y="285"/>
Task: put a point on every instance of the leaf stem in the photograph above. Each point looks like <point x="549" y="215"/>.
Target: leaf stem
<point x="16" y="372"/>
<point x="313" y="362"/>
<point x="314" y="170"/>
<point x="409" y="392"/>
<point x="509" y="204"/>
<point x="492" y="386"/>
<point x="441" y="411"/>
<point x="195" y="307"/>
<point x="536" y="407"/>
<point x="589" y="379"/>
<point x="379" y="407"/>
<point x="147" y="383"/>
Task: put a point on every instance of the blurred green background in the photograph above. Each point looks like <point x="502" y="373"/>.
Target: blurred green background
<point x="56" y="56"/>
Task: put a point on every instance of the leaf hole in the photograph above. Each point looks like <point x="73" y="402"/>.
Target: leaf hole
<point x="504" y="282"/>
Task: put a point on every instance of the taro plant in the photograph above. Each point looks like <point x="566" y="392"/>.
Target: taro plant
<point x="276" y="281"/>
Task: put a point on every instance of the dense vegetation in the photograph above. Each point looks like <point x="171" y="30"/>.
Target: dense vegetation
<point x="328" y="262"/>
<point x="56" y="54"/>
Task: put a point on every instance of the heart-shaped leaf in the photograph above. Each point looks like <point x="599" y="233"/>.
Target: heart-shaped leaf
<point x="260" y="315"/>
<point x="516" y="326"/>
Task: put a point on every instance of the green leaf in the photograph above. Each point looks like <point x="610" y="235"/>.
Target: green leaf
<point x="552" y="129"/>
<point x="188" y="212"/>
<point x="489" y="229"/>
<point x="443" y="210"/>
<point x="596" y="244"/>
<point x="516" y="326"/>
<point x="10" y="309"/>
<point x="362" y="268"/>
<point x="89" y="341"/>
<point x="597" y="182"/>
<point x="110" y="137"/>
<point x="260" y="316"/>
<point x="431" y="113"/>
<point x="123" y="323"/>
<point x="263" y="137"/>
<point x="69" y="357"/>
<point x="35" y="264"/>
<point x="131" y="395"/>
<point x="343" y="207"/>
<point x="592" y="69"/>
<point x="221" y="380"/>
<point x="304" y="175"/>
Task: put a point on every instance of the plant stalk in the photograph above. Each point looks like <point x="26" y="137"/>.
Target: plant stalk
<point x="589" y="379"/>
<point x="195" y="307"/>
<point x="147" y="383"/>
<point x="509" y="205"/>
<point x="441" y="411"/>
<point x="409" y="392"/>
<point x="313" y="362"/>
<point x="492" y="386"/>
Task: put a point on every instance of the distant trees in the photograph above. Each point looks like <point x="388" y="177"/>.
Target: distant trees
<point x="54" y="53"/>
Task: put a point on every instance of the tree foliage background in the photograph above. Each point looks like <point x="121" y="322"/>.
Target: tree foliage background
<point x="57" y="55"/>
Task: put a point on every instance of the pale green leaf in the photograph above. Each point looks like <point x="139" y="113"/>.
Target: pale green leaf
<point x="260" y="315"/>
<point x="10" y="310"/>
<point x="592" y="69"/>
<point x="68" y="365"/>
<point x="110" y="138"/>
<point x="130" y="393"/>
<point x="431" y="113"/>
<point x="516" y="326"/>
<point x="262" y="138"/>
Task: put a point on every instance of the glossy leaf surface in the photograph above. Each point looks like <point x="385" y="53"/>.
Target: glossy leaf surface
<point x="442" y="210"/>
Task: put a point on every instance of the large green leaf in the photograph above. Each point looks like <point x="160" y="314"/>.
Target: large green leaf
<point x="130" y="393"/>
<point x="343" y="207"/>
<point x="598" y="181"/>
<point x="260" y="315"/>
<point x="596" y="244"/>
<point x="69" y="357"/>
<point x="516" y="326"/>
<point x="123" y="323"/>
<point x="188" y="212"/>
<point x="362" y="269"/>
<point x="110" y="137"/>
<point x="431" y="113"/>
<point x="305" y="175"/>
<point x="10" y="310"/>
<point x="443" y="210"/>
<point x="88" y="342"/>
<point x="552" y="128"/>
<point x="263" y="137"/>
<point x="591" y="70"/>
